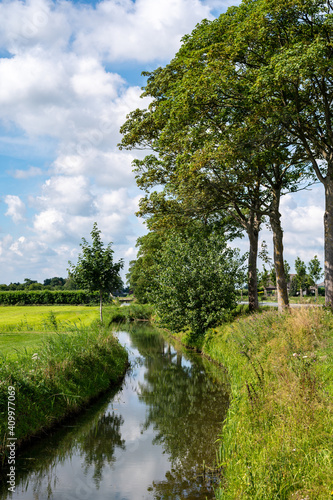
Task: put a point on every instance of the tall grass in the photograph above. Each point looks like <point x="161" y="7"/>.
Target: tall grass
<point x="64" y="373"/>
<point x="132" y="312"/>
<point x="277" y="440"/>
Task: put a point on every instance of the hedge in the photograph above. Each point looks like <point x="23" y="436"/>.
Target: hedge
<point x="39" y="297"/>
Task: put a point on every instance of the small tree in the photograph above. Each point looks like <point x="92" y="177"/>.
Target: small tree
<point x="95" y="269"/>
<point x="301" y="275"/>
<point x="264" y="279"/>
<point x="293" y="289"/>
<point x="196" y="281"/>
<point x="315" y="272"/>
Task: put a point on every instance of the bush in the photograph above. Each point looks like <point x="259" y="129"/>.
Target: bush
<point x="196" y="282"/>
<point x="36" y="297"/>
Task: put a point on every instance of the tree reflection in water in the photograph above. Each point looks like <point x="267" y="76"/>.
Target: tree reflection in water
<point x="186" y="398"/>
<point x="98" y="445"/>
<point x="187" y="404"/>
<point x="94" y="436"/>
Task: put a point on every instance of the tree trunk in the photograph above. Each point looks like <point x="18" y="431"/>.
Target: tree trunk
<point x="253" y="234"/>
<point x="100" y="305"/>
<point x="328" y="225"/>
<point x="281" y="283"/>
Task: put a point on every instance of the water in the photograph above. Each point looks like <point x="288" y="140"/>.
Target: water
<point x="153" y="438"/>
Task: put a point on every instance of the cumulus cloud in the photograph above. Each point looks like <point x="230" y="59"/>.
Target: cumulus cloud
<point x="143" y="30"/>
<point x="63" y="99"/>
<point x="303" y="227"/>
<point x="16" y="208"/>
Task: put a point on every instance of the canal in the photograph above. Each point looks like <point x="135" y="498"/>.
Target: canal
<point x="152" y="438"/>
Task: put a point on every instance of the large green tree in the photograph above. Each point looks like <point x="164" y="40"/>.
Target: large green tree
<point x="212" y="144"/>
<point x="142" y="270"/>
<point x="285" y="47"/>
<point x="95" y="269"/>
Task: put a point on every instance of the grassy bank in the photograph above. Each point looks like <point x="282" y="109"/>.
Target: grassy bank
<point x="131" y="312"/>
<point x="63" y="374"/>
<point x="277" y="440"/>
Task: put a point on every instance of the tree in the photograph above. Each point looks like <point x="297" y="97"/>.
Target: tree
<point x="264" y="278"/>
<point x="286" y="49"/>
<point x="315" y="272"/>
<point x="196" y="281"/>
<point x="95" y="269"/>
<point x="293" y="290"/>
<point x="141" y="273"/>
<point x="301" y="275"/>
<point x="211" y="143"/>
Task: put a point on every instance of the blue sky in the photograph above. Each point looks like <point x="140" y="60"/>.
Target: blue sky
<point x="70" y="71"/>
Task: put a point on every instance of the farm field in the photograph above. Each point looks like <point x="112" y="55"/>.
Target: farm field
<point x="23" y="328"/>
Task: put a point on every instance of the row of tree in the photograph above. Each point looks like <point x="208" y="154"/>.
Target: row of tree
<point x="241" y="116"/>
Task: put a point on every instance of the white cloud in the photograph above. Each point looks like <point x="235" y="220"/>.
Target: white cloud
<point x="131" y="253"/>
<point x="16" y="208"/>
<point x="71" y="195"/>
<point x="143" y="30"/>
<point x="26" y="174"/>
<point x="49" y="224"/>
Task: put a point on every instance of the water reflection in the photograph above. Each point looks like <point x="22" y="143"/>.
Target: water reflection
<point x="186" y="409"/>
<point x="147" y="440"/>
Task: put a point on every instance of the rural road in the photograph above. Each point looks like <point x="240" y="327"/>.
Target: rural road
<point x="274" y="304"/>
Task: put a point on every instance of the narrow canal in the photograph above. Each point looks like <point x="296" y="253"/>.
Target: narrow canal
<point x="153" y="438"/>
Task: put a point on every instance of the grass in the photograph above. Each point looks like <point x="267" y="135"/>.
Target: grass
<point x="132" y="312"/>
<point x="17" y="317"/>
<point x="24" y="328"/>
<point x="277" y="440"/>
<point x="55" y="372"/>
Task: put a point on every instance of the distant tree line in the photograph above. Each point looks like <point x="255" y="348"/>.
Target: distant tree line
<point x="55" y="283"/>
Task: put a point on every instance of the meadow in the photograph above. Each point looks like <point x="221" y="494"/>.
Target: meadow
<point x="23" y="328"/>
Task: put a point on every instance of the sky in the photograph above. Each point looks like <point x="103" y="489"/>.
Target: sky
<point x="70" y="71"/>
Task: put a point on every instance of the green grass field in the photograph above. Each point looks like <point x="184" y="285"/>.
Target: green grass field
<point x="25" y="327"/>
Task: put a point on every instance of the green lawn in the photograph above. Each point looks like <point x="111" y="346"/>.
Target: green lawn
<point x="25" y="327"/>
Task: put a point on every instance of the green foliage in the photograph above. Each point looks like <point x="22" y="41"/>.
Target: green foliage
<point x="315" y="270"/>
<point x="196" y="281"/>
<point x="141" y="271"/>
<point x="293" y="290"/>
<point x="95" y="269"/>
<point x="131" y="312"/>
<point x="75" y="297"/>
<point x="303" y="280"/>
